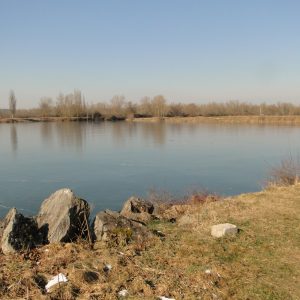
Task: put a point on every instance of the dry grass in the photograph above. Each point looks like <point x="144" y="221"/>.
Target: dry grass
<point x="272" y="120"/>
<point x="262" y="262"/>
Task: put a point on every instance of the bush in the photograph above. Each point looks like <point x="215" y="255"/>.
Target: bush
<point x="287" y="172"/>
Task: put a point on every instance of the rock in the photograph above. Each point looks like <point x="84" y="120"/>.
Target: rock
<point x="109" y="224"/>
<point x="19" y="233"/>
<point x="138" y="209"/>
<point x="174" y="212"/>
<point x="137" y="205"/>
<point x="222" y="230"/>
<point x="158" y="233"/>
<point x="90" y="276"/>
<point x="63" y="217"/>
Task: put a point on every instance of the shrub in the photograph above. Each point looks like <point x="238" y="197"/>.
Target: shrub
<point x="287" y="172"/>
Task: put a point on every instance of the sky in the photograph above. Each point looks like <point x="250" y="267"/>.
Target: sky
<point x="187" y="50"/>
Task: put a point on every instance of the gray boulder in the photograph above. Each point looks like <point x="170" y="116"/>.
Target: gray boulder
<point x="19" y="233"/>
<point x="63" y="217"/>
<point x="138" y="209"/>
<point x="109" y="225"/>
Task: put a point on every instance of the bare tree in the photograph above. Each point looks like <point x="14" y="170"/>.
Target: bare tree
<point x="145" y="107"/>
<point x="77" y="103"/>
<point x="159" y="106"/>
<point x="46" y="106"/>
<point x="12" y="104"/>
<point x="117" y="104"/>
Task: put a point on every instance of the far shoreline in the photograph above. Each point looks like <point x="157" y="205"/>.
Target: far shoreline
<point x="254" y="119"/>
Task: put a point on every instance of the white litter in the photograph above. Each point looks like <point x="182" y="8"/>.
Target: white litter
<point x="165" y="298"/>
<point x="208" y="271"/>
<point x="123" y="293"/>
<point x="107" y="268"/>
<point x="55" y="280"/>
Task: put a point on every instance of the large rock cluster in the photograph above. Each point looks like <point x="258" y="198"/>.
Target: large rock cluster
<point x="64" y="217"/>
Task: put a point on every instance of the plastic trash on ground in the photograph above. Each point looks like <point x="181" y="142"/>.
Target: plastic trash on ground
<point x="107" y="268"/>
<point x="123" y="293"/>
<point x="60" y="278"/>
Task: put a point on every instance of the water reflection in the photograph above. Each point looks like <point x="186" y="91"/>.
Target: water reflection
<point x="14" y="138"/>
<point x="71" y="134"/>
<point x="47" y="132"/>
<point x="155" y="132"/>
<point x="74" y="135"/>
<point x="119" y="132"/>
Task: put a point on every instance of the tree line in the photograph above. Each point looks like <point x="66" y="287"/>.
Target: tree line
<point x="74" y="105"/>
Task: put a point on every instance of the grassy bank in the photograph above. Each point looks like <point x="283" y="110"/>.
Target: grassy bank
<point x="272" y="120"/>
<point x="261" y="262"/>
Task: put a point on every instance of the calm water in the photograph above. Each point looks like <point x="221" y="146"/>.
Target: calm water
<point x="108" y="162"/>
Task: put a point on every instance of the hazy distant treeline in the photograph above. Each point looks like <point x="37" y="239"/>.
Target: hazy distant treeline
<point x="74" y="105"/>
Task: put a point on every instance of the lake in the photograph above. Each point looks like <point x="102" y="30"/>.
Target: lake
<point x="105" y="163"/>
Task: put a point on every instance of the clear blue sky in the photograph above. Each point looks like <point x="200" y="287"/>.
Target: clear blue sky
<point x="187" y="50"/>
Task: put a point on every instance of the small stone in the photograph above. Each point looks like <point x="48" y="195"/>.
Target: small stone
<point x="158" y="233"/>
<point x="208" y="271"/>
<point x="222" y="230"/>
